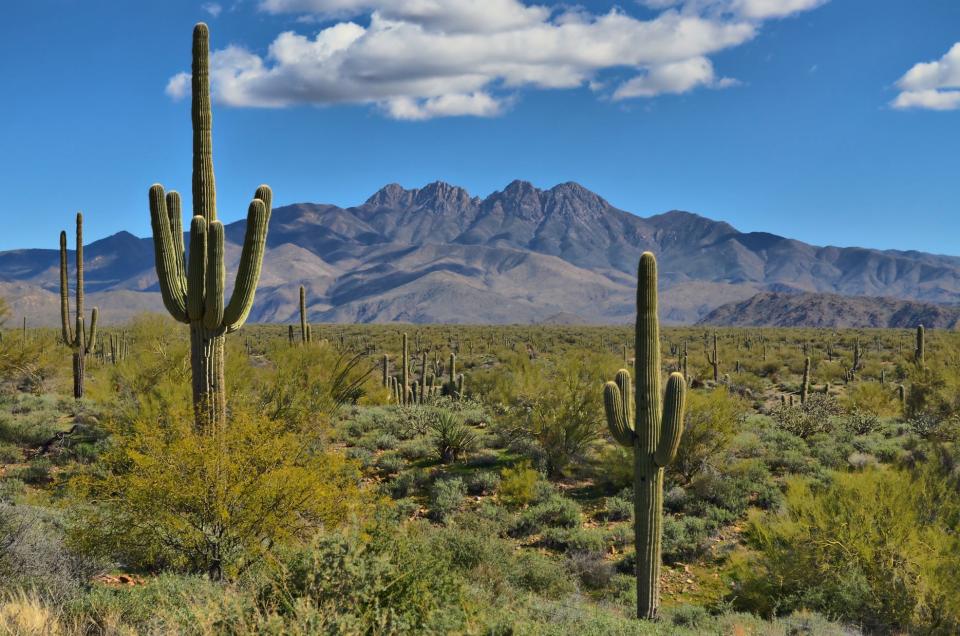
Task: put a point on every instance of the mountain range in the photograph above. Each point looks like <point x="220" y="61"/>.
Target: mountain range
<point x="519" y="255"/>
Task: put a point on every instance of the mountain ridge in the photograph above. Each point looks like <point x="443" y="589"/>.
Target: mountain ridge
<point x="521" y="254"/>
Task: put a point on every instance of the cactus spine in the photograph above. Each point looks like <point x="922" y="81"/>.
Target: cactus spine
<point x="193" y="292"/>
<point x="76" y="336"/>
<point x="653" y="433"/>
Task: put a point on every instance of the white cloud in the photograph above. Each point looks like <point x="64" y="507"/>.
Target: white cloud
<point x="674" y="78"/>
<point x="213" y="8"/>
<point x="932" y="85"/>
<point x="744" y="9"/>
<point x="419" y="59"/>
<point x="769" y="9"/>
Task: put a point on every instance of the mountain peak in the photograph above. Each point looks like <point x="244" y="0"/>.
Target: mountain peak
<point x="388" y="196"/>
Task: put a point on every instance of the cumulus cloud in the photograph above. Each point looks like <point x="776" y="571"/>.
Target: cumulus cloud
<point x="932" y="85"/>
<point x="419" y="59"/>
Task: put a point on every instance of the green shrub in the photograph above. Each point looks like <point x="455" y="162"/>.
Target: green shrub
<point x="710" y="422"/>
<point x="684" y="538"/>
<point x="393" y="581"/>
<point x="619" y="508"/>
<point x="867" y="548"/>
<point x="446" y="497"/>
<point x="518" y="485"/>
<point x="574" y="539"/>
<point x="555" y="512"/>
<point x="482" y="483"/>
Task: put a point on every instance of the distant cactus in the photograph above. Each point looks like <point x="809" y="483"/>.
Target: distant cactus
<point x="919" y="353"/>
<point x="76" y="337"/>
<point x="386" y="369"/>
<point x="404" y="371"/>
<point x="714" y="360"/>
<point x="193" y="292"/>
<point x="805" y="385"/>
<point x="651" y="430"/>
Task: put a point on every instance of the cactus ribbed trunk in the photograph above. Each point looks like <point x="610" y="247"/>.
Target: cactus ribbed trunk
<point x="647" y="476"/>
<point x="78" y="365"/>
<point x="209" y="386"/>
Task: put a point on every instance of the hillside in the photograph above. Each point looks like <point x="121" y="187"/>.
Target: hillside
<point x="830" y="310"/>
<point x="520" y="255"/>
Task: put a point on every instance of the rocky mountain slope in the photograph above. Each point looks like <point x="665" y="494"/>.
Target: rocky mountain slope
<point x="520" y="255"/>
<point x="831" y="310"/>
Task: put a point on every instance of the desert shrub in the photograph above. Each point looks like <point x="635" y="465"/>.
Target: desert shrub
<point x="684" y="538"/>
<point x="414" y="449"/>
<point x="392" y="581"/>
<point x="36" y="473"/>
<point x="34" y="554"/>
<point x="805" y="420"/>
<point x="309" y="384"/>
<point x="613" y="466"/>
<point x="390" y="462"/>
<point x="859" y="422"/>
<point x="591" y="569"/>
<point x="482" y="483"/>
<point x="562" y="417"/>
<point x="451" y="438"/>
<point x="555" y="512"/>
<point x="10" y="454"/>
<point x="446" y="497"/>
<point x="890" y="560"/>
<point x="619" y="508"/>
<point x="575" y="539"/>
<point x="930" y="395"/>
<point x="214" y="503"/>
<point x="518" y="485"/>
<point x="541" y="574"/>
<point x="484" y="458"/>
<point x="710" y="422"/>
<point x="872" y="398"/>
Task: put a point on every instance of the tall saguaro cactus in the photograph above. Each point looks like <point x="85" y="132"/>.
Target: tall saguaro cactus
<point x="805" y="385"/>
<point x="714" y="360"/>
<point x="653" y="432"/>
<point x="193" y="291"/>
<point x="919" y="352"/>
<point x="76" y="336"/>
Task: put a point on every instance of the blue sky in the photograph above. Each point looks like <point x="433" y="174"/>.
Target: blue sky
<point x="798" y="117"/>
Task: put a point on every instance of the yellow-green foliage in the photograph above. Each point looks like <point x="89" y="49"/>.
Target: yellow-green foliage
<point x="711" y="421"/>
<point x="518" y="485"/>
<point x="873" y="398"/>
<point x="214" y="503"/>
<point x="876" y="547"/>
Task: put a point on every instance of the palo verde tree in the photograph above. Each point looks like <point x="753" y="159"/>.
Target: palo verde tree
<point x="193" y="292"/>
<point x="76" y="337"/>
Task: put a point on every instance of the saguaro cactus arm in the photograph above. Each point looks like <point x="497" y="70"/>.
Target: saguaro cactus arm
<point x="168" y="252"/>
<point x="251" y="260"/>
<point x="672" y="425"/>
<point x="66" y="328"/>
<point x="617" y="420"/>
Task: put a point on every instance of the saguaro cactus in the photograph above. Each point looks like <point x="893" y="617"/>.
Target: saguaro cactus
<point x="304" y="334"/>
<point x="193" y="292"/>
<point x="919" y="353"/>
<point x="75" y="337"/>
<point x="714" y="360"/>
<point x="653" y="433"/>
<point x="805" y="385"/>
